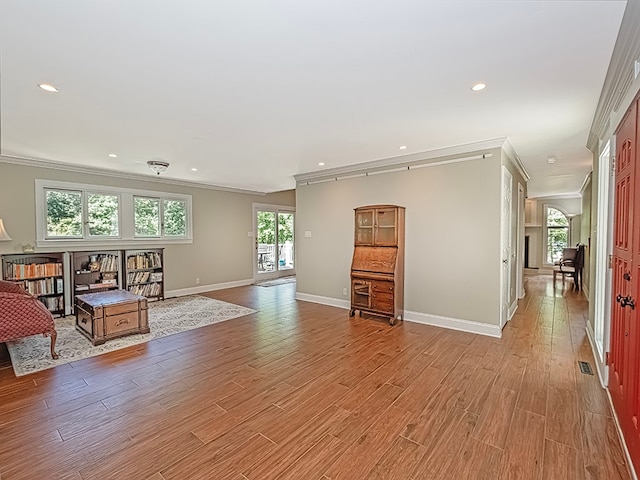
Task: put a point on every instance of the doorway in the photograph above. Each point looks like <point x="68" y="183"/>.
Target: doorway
<point x="274" y="254"/>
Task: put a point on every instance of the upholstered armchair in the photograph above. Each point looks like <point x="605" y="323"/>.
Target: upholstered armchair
<point x="23" y="315"/>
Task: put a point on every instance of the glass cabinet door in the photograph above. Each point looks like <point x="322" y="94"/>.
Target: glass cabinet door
<point x="385" y="233"/>
<point x="364" y="227"/>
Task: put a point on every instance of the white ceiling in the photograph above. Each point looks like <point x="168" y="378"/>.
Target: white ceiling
<point x="251" y="92"/>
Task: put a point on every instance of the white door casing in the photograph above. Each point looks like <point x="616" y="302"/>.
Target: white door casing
<point x="506" y="246"/>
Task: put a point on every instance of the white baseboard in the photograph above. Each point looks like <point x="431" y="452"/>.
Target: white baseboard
<point x="416" y="317"/>
<point x="596" y="356"/>
<point x="627" y="456"/>
<point x="512" y="309"/>
<point x="454" y="324"/>
<point x="333" y="302"/>
<point x="207" y="288"/>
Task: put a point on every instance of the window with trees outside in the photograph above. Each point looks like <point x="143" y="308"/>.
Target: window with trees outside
<point x="557" y="225"/>
<point x="75" y="213"/>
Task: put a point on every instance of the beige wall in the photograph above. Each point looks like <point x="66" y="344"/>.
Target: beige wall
<point x="221" y="250"/>
<point x="452" y="236"/>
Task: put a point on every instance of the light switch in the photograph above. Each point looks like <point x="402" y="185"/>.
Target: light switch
<point x="307" y="234"/>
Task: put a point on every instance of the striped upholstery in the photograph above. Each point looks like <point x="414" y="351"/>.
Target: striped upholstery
<point x="23" y="315"/>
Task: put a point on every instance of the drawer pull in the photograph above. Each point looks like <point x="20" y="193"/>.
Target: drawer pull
<point x="83" y="320"/>
<point x="121" y="322"/>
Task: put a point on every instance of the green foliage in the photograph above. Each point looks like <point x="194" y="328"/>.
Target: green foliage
<point x="555" y="218"/>
<point x="147" y="216"/>
<point x="175" y="218"/>
<point x="557" y="234"/>
<point x="64" y="213"/>
<point x="266" y="222"/>
<point x="103" y="215"/>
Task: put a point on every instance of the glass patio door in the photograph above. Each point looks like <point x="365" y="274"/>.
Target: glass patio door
<point x="274" y="242"/>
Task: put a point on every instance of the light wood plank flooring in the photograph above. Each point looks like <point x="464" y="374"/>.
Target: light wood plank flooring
<point x="301" y="391"/>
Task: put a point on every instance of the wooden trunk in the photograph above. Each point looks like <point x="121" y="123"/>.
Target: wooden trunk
<point x="377" y="269"/>
<point x="107" y="315"/>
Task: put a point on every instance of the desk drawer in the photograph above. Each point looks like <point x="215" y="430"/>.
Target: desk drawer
<point x="382" y="286"/>
<point x="382" y="302"/>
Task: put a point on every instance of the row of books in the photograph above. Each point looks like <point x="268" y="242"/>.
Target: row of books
<point x="53" y="304"/>
<point x="32" y="270"/>
<point x="108" y="263"/>
<point x="143" y="277"/>
<point x="45" y="286"/>
<point x="147" y="290"/>
<point x="144" y="260"/>
<point x="83" y="287"/>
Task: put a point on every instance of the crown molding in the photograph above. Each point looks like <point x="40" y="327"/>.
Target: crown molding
<point x="619" y="86"/>
<point x="513" y="156"/>
<point x="431" y="157"/>
<point x="587" y="178"/>
<point x="105" y="172"/>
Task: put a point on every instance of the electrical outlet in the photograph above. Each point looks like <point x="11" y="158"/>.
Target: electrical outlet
<point x="344" y="291"/>
<point x="197" y="280"/>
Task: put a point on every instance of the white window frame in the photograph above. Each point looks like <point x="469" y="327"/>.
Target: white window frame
<point x="546" y="230"/>
<point x="126" y="225"/>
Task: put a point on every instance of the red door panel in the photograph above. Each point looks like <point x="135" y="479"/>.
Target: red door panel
<point x="624" y="368"/>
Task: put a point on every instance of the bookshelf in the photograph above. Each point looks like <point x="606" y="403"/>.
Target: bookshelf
<point x="96" y="271"/>
<point x="144" y="272"/>
<point x="40" y="274"/>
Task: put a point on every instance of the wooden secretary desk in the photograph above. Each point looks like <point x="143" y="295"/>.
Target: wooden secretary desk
<point x="377" y="269"/>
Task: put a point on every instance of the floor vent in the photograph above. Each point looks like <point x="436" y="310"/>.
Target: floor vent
<point x="585" y="368"/>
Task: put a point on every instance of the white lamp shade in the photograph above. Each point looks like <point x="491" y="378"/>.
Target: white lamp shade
<point x="3" y="233"/>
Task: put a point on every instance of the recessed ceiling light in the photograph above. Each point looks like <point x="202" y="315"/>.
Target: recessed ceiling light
<point x="321" y="164"/>
<point x="479" y="86"/>
<point x="551" y="160"/>
<point x="113" y="155"/>
<point x="48" y="88"/>
<point x="403" y="147"/>
<point x="194" y="169"/>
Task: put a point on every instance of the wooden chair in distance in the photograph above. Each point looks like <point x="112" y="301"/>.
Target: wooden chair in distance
<point x="571" y="264"/>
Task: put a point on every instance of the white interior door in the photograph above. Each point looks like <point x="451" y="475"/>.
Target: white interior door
<point x="506" y="245"/>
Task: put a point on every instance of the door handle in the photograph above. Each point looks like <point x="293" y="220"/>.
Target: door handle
<point x="626" y="301"/>
<point x="627" y="276"/>
<point x="506" y="260"/>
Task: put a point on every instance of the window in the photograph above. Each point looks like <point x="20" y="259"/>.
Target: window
<point x="69" y="214"/>
<point x="68" y="218"/>
<point x="64" y="213"/>
<point x="174" y="218"/>
<point x="557" y="234"/>
<point x="146" y="216"/>
<point x="103" y="212"/>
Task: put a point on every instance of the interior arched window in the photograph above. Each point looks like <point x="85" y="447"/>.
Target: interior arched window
<point x="557" y="234"/>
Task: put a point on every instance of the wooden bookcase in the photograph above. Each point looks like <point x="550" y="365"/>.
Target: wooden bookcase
<point x="96" y="271"/>
<point x="41" y="274"/>
<point x="144" y="272"/>
<point x="377" y="268"/>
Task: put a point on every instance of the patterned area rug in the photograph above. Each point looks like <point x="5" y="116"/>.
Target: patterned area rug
<point x="168" y="317"/>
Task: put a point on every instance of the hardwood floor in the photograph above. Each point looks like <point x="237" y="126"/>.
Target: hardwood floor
<point x="301" y="391"/>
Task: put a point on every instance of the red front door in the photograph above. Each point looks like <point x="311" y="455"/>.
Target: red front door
<point x="624" y="360"/>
